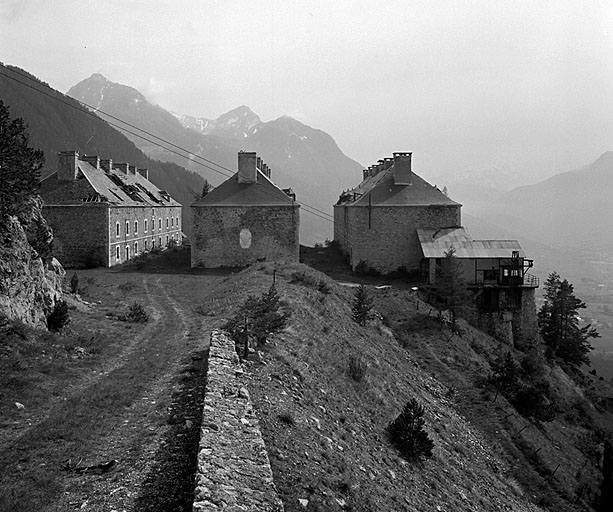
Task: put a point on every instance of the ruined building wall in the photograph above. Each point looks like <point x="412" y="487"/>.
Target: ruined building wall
<point x="237" y="236"/>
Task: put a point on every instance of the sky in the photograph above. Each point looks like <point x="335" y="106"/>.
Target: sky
<point x="519" y="89"/>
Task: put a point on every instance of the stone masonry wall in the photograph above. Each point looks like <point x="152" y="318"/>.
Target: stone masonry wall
<point x="233" y="467"/>
<point x="79" y="233"/>
<point x="229" y="236"/>
<point x="388" y="239"/>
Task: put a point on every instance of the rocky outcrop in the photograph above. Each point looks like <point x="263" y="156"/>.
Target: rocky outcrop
<point x="30" y="278"/>
<point x="233" y="467"/>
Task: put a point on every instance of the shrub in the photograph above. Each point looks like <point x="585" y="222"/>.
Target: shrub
<point x="74" y="283"/>
<point x="126" y="287"/>
<point x="257" y="319"/>
<point x="362" y="306"/>
<point x="59" y="317"/>
<point x="135" y="314"/>
<point x="311" y="280"/>
<point x="357" y="368"/>
<point x="286" y="417"/>
<point x="363" y="268"/>
<point x="407" y="432"/>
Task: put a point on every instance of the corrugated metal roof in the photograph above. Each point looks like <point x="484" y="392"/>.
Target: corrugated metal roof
<point x="436" y="242"/>
<point x="232" y="193"/>
<point x="384" y="192"/>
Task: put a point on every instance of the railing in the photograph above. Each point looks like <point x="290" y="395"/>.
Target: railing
<point x="531" y="281"/>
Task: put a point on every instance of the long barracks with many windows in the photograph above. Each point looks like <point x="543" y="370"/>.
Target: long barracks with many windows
<point x="103" y="214"/>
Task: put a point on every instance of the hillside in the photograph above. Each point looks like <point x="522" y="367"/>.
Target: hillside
<point x="301" y="157"/>
<point x="133" y="394"/>
<point x="58" y="123"/>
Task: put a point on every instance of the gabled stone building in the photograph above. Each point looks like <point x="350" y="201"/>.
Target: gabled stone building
<point x="245" y="219"/>
<point x="394" y="219"/>
<point x="376" y="223"/>
<point x="103" y="214"/>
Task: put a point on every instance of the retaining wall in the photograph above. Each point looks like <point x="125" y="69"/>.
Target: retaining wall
<point x="234" y="471"/>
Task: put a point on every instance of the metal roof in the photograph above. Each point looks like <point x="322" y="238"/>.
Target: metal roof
<point x="436" y="242"/>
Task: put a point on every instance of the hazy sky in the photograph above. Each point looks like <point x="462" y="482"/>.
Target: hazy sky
<point x="516" y="85"/>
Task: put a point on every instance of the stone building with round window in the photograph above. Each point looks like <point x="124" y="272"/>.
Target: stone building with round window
<point x="245" y="219"/>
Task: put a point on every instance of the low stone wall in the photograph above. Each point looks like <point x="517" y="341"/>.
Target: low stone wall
<point x="233" y="472"/>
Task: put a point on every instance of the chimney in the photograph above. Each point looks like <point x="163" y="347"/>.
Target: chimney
<point x="123" y="167"/>
<point x="402" y="168"/>
<point x="365" y="173"/>
<point x="94" y="161"/>
<point x="107" y="164"/>
<point x="67" y="165"/>
<point x="144" y="173"/>
<point x="247" y="170"/>
<point x="132" y="169"/>
<point x="387" y="162"/>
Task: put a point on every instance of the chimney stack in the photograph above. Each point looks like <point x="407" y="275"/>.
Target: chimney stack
<point x="94" y="161"/>
<point x="387" y="162"/>
<point x="247" y="167"/>
<point x="402" y="169"/>
<point x="144" y="173"/>
<point x="68" y="167"/>
<point x="123" y="167"/>
<point x="107" y="164"/>
<point x="132" y="169"/>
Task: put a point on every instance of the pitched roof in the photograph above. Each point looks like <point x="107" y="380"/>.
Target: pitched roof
<point x="384" y="192"/>
<point x="232" y="193"/>
<point x="436" y="242"/>
<point x="118" y="188"/>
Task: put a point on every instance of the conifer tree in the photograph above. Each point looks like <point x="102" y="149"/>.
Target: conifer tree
<point x="558" y="321"/>
<point x="362" y="304"/>
<point x="19" y="164"/>
<point x="407" y="432"/>
<point x="451" y="287"/>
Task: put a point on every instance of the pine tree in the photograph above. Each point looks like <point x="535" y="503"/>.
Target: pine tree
<point x="558" y="321"/>
<point x="407" y="432"/>
<point x="19" y="164"/>
<point x="451" y="287"/>
<point x="206" y="188"/>
<point x="362" y="305"/>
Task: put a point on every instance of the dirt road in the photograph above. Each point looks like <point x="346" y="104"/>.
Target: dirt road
<point x="135" y="400"/>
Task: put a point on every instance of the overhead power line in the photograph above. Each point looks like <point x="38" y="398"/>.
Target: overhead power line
<point x="148" y="136"/>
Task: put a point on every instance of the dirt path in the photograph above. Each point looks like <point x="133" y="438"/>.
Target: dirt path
<point x="140" y="407"/>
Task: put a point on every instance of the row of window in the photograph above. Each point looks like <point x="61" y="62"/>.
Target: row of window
<point x="174" y="238"/>
<point x="169" y="222"/>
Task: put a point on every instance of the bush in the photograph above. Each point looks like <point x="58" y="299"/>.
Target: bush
<point x="257" y="319"/>
<point x="58" y="318"/>
<point x="311" y="280"/>
<point x="357" y="368"/>
<point x="136" y="314"/>
<point x="362" y="305"/>
<point x="407" y="432"/>
<point x="363" y="268"/>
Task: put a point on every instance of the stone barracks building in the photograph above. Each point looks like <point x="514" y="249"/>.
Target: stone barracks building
<point x="103" y="214"/>
<point x="245" y="219"/>
<point x="376" y="222"/>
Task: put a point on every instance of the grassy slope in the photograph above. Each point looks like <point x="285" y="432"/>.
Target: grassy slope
<point x="326" y="432"/>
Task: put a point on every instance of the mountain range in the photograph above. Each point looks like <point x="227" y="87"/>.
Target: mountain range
<point x="59" y="123"/>
<point x="306" y="159"/>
